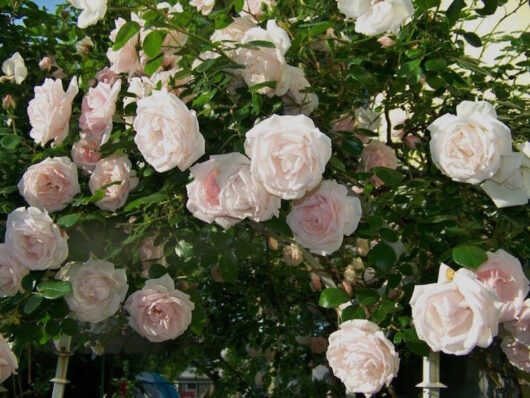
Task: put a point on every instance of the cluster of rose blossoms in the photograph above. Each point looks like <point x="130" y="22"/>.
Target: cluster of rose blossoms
<point x="286" y="156"/>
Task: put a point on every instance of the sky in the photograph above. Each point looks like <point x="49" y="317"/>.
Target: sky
<point x="49" y="4"/>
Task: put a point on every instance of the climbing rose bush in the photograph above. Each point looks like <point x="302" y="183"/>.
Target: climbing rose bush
<point x="296" y="198"/>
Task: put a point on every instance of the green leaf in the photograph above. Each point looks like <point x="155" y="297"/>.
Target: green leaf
<point x="436" y="64"/>
<point x="10" y="142"/>
<point x="125" y="33"/>
<point x="414" y="344"/>
<point x="32" y="304"/>
<point x="70" y="327"/>
<point x="153" y="43"/>
<point x="390" y="177"/>
<point x="453" y="11"/>
<point x="260" y="43"/>
<point x="319" y="28"/>
<point x="259" y="86"/>
<point x="198" y="319"/>
<point x="153" y="64"/>
<point x="157" y="197"/>
<point x="54" y="289"/>
<point x="382" y="256"/>
<point x="352" y="145"/>
<point x="388" y="235"/>
<point x="157" y="271"/>
<point x="228" y="268"/>
<point x="473" y="39"/>
<point x="238" y="5"/>
<point x="69" y="220"/>
<point x="469" y="256"/>
<point x="332" y="297"/>
<point x="489" y="7"/>
<point x="184" y="249"/>
<point x="367" y="296"/>
<point x="222" y="21"/>
<point x="352" y="312"/>
<point x="52" y="327"/>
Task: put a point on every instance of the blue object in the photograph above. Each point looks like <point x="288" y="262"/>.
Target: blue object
<point x="50" y="5"/>
<point x="153" y="385"/>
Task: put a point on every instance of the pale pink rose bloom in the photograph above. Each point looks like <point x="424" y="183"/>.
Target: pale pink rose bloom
<point x="11" y="273"/>
<point x="362" y="357"/>
<point x="503" y="273"/>
<point x="114" y="168"/>
<point x="256" y="7"/>
<point x="86" y="155"/>
<point x="347" y="123"/>
<point x="49" y="111"/>
<point x="224" y="191"/>
<point x="106" y="75"/>
<point x="469" y="147"/>
<point x="124" y="60"/>
<point x="167" y="132"/>
<point x="518" y="353"/>
<point x="412" y="141"/>
<point x="34" y="240"/>
<point x="263" y="64"/>
<point x="455" y="316"/>
<point x="288" y="155"/>
<point x="233" y="33"/>
<point x="151" y="254"/>
<point x="204" y="6"/>
<point x="320" y="219"/>
<point x="296" y="100"/>
<point x="51" y="184"/>
<point x="159" y="312"/>
<point x="97" y="109"/>
<point x="97" y="289"/>
<point x="15" y="69"/>
<point x="520" y="327"/>
<point x="45" y="63"/>
<point x="8" y="360"/>
<point x="377" y="154"/>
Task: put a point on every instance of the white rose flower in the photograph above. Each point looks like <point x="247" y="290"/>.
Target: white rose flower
<point x="288" y="155"/>
<point x="374" y="17"/>
<point x="11" y="273"/>
<point x="8" y="360"/>
<point x="114" y="168"/>
<point x="264" y="64"/>
<point x="457" y="315"/>
<point x="93" y="11"/>
<point x="159" y="312"/>
<point x="296" y="100"/>
<point x="469" y="147"/>
<point x="255" y="7"/>
<point x="362" y="357"/>
<point x="167" y="132"/>
<point x="204" y="6"/>
<point x="320" y="219"/>
<point x="232" y="34"/>
<point x="51" y="184"/>
<point x="14" y="68"/>
<point x="97" y="289"/>
<point x="34" y="240"/>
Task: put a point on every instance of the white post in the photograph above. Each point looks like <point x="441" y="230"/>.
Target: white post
<point x="431" y="376"/>
<point x="63" y="352"/>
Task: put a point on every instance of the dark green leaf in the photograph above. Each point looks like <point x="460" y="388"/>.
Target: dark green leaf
<point x="319" y="28"/>
<point x="153" y="43"/>
<point x="228" y="268"/>
<point x="332" y="297"/>
<point x="198" y="319"/>
<point x="32" y="304"/>
<point x="125" y="33"/>
<point x="390" y="177"/>
<point x="184" y="249"/>
<point x="382" y="256"/>
<point x="473" y="39"/>
<point x="54" y="289"/>
<point x="157" y="271"/>
<point x="352" y="145"/>
<point x="489" y="7"/>
<point x="367" y="296"/>
<point x="52" y="327"/>
<point x="10" y="141"/>
<point x="352" y="312"/>
<point x="260" y="43"/>
<point x="414" y="344"/>
<point x="453" y="12"/>
<point x="469" y="256"/>
<point x="436" y="64"/>
<point x="155" y="198"/>
<point x="70" y="327"/>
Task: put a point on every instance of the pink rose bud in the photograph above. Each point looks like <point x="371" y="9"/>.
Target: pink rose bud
<point x="86" y="155"/>
<point x="412" y="141"/>
<point x="106" y="75"/>
<point x="316" y="283"/>
<point x="386" y="41"/>
<point x="377" y="154"/>
<point x="45" y="64"/>
<point x="8" y="102"/>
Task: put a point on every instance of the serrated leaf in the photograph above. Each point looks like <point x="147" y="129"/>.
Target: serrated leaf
<point x="54" y="289"/>
<point x="125" y="33"/>
<point x="332" y="297"/>
<point x="32" y="304"/>
<point x="152" y="43"/>
<point x="469" y="256"/>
